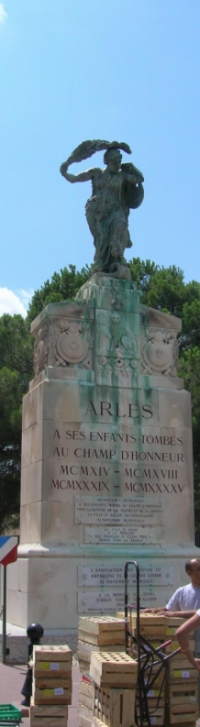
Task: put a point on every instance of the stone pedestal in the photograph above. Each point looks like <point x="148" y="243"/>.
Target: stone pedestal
<point x="106" y="459"/>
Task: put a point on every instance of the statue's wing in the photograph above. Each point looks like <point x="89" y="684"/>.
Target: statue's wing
<point x="88" y="148"/>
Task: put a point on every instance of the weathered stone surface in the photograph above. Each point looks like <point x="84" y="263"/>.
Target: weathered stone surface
<point x="106" y="456"/>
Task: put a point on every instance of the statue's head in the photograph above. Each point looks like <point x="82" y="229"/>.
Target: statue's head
<point x="112" y="158"/>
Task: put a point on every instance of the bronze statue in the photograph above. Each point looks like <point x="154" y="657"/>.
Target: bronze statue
<point x="115" y="190"/>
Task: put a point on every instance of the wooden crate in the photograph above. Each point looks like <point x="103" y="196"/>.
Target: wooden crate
<point x="96" y="722"/>
<point x="84" y="649"/>
<point x="179" y="670"/>
<point x="175" y="645"/>
<point x="51" y="690"/>
<point x="51" y="660"/>
<point x="188" y="724"/>
<point x="84" y="666"/>
<point x="86" y="694"/>
<point x="175" y="621"/>
<point x="183" y="713"/>
<point x="103" y="639"/>
<point x="115" y="707"/>
<point x="85" y="712"/>
<point x="48" y="716"/>
<point x="85" y="717"/>
<point x="158" y="683"/>
<point x="101" y="630"/>
<point x="182" y="724"/>
<point x="154" y="705"/>
<point x="152" y="626"/>
<point x="114" y="669"/>
<point x="182" y="693"/>
<point x="157" y="718"/>
<point x="152" y="697"/>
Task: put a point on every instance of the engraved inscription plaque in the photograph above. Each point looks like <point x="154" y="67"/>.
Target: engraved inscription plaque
<point x="140" y="511"/>
<point x="115" y="534"/>
<point x="106" y="601"/>
<point x="111" y="575"/>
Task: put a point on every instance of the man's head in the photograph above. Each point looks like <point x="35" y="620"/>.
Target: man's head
<point x="192" y="568"/>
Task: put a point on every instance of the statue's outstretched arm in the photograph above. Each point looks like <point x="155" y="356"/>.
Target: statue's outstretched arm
<point x="81" y="177"/>
<point x="85" y="150"/>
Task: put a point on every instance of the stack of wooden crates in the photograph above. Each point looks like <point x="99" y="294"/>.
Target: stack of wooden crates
<point x="102" y="633"/>
<point x="107" y="688"/>
<point x="182" y="683"/>
<point x="108" y="694"/>
<point x="52" y="686"/>
<point x="179" y="699"/>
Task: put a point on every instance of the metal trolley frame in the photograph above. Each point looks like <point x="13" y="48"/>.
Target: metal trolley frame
<point x="152" y="663"/>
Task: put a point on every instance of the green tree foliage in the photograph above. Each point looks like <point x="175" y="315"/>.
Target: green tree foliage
<point x="16" y="346"/>
<point x="16" y="362"/>
<point x="189" y="367"/>
<point x="11" y="392"/>
<point x="161" y="288"/>
<point x="164" y="289"/>
<point x="63" y="286"/>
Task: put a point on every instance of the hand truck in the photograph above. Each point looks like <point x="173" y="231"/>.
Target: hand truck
<point x="152" y="662"/>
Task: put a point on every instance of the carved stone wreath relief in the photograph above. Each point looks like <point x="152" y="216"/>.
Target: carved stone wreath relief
<point x="120" y="351"/>
<point x="72" y="344"/>
<point x="63" y="343"/>
<point x="159" y="352"/>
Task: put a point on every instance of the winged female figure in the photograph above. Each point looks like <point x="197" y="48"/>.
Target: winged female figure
<point x="115" y="190"/>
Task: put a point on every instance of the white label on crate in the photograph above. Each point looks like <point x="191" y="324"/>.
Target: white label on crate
<point x="185" y="674"/>
<point x="59" y="691"/>
<point x="151" y="693"/>
<point x="193" y="699"/>
<point x="54" y="665"/>
<point x="153" y="720"/>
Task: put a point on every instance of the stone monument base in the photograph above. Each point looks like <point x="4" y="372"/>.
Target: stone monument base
<point x="106" y="460"/>
<point x="53" y="593"/>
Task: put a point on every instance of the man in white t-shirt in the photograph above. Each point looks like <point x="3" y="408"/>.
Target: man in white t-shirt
<point x="187" y="600"/>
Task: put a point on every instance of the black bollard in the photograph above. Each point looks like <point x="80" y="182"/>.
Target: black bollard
<point x="35" y="633"/>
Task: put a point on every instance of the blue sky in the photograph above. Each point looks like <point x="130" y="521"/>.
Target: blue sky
<point x="86" y="69"/>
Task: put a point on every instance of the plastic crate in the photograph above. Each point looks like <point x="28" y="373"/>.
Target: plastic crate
<point x="9" y="714"/>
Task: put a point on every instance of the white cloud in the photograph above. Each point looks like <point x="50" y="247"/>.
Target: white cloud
<point x="12" y="303"/>
<point x="25" y="296"/>
<point x="3" y="14"/>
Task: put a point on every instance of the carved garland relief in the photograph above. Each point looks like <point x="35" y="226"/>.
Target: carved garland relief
<point x="159" y="352"/>
<point x="63" y="343"/>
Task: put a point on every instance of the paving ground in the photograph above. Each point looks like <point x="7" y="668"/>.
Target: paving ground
<point x="11" y="683"/>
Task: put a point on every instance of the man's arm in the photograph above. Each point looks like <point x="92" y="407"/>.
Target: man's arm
<point x="182" y="636"/>
<point x="180" y="614"/>
<point x="162" y="610"/>
<point x="172" y="605"/>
